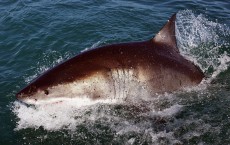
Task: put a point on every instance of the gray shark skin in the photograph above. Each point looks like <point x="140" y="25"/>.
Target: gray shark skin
<point x="118" y="70"/>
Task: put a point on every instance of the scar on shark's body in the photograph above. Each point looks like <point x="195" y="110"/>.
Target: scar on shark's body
<point x="118" y="70"/>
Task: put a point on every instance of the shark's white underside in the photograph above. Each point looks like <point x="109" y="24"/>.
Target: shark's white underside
<point x="117" y="84"/>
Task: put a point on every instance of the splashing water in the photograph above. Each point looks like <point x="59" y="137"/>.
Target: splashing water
<point x="201" y="41"/>
<point x="118" y="118"/>
<point x="93" y="46"/>
<point x="57" y="115"/>
<point x="48" y="61"/>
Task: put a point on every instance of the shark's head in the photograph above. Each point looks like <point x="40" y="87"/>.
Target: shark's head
<point x="49" y="89"/>
<point x="43" y="88"/>
<point x="34" y="94"/>
<point x="38" y="89"/>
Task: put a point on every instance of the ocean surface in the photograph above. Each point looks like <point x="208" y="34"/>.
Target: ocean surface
<point x="35" y="35"/>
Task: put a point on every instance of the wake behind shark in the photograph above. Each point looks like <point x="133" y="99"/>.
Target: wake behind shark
<point x="118" y="70"/>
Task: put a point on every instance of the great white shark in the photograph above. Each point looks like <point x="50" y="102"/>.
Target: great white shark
<point x="118" y="70"/>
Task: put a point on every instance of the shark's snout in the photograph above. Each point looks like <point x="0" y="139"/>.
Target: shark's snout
<point x="26" y="92"/>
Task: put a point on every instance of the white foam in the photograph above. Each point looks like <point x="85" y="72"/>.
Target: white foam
<point x="224" y="63"/>
<point x="48" y="60"/>
<point x="200" y="40"/>
<point x="163" y="134"/>
<point x="138" y="118"/>
<point x="168" y="112"/>
<point x="92" y="47"/>
<point x="54" y="116"/>
<point x="63" y="114"/>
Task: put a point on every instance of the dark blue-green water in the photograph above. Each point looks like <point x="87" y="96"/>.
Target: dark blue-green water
<point x="36" y="35"/>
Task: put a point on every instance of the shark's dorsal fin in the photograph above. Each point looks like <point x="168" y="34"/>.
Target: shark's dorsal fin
<point x="166" y="35"/>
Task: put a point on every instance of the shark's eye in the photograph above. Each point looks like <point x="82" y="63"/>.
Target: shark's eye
<point x="46" y="92"/>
